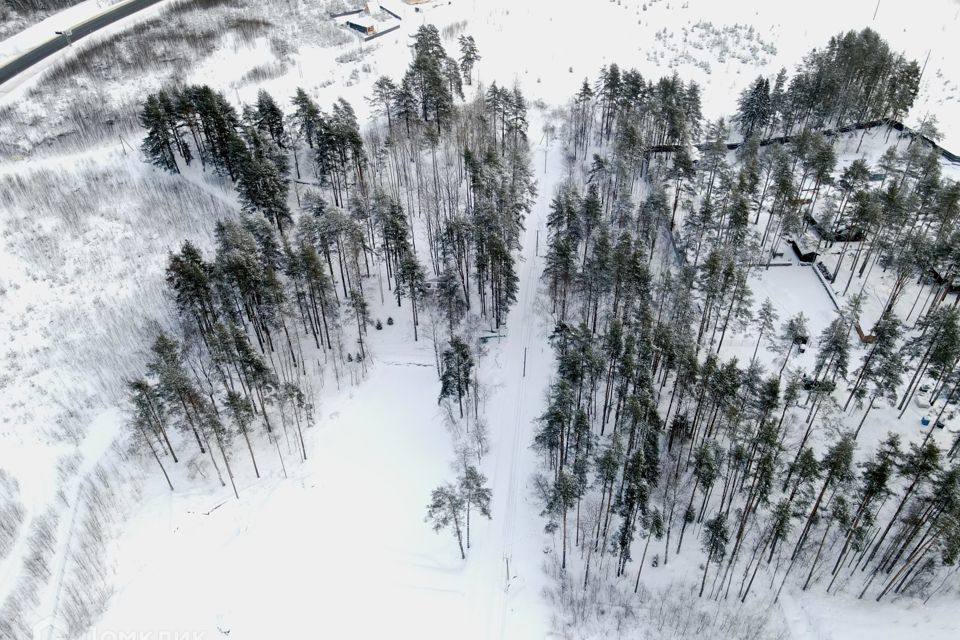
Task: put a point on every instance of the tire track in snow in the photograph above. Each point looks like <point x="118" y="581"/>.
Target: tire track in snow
<point x="496" y="586"/>
<point x="800" y="624"/>
<point x="530" y="277"/>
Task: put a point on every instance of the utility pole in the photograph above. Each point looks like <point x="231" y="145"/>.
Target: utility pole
<point x="123" y="144"/>
<point x="924" y="67"/>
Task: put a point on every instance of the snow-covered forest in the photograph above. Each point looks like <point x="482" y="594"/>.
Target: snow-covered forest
<point x="386" y="319"/>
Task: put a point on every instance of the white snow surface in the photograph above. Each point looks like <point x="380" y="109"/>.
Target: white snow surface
<point x="340" y="549"/>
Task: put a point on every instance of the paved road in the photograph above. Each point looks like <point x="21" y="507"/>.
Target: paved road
<point x="56" y="43"/>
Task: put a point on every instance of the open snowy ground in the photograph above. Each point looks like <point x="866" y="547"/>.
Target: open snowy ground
<point x="342" y="547"/>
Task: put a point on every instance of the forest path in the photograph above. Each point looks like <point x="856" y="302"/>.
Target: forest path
<point x="509" y="574"/>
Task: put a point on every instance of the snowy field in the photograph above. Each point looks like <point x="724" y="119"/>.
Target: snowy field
<point x="340" y="548"/>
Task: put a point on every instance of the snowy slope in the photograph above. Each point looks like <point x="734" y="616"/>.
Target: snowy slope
<point x="331" y="561"/>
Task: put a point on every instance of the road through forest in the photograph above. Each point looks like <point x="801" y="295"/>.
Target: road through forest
<point x="511" y="605"/>
<point x="58" y="42"/>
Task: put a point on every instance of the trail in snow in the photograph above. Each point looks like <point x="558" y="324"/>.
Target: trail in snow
<point x="800" y="623"/>
<point x="515" y="538"/>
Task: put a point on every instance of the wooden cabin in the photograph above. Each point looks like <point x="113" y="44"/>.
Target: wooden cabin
<point x="363" y="23"/>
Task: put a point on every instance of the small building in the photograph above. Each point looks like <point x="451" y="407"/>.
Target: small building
<point x="362" y="23"/>
<point x="804" y="253"/>
<point x="952" y="282"/>
<point x="849" y="234"/>
<point x="371" y="21"/>
<point x="431" y="285"/>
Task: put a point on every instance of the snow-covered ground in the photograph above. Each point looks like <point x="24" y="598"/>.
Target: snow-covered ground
<point x="340" y="549"/>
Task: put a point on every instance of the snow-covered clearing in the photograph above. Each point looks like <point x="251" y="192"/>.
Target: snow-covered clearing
<point x="314" y="551"/>
<point x="340" y="549"/>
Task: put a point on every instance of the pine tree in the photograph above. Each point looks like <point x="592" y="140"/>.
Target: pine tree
<point x="765" y="320"/>
<point x="307" y="116"/>
<point x="242" y="413"/>
<point x="475" y="494"/>
<point x="430" y="83"/>
<point x="793" y="333"/>
<point x="886" y="334"/>
<point x="361" y="313"/>
<point x="188" y="275"/>
<point x="270" y="118"/>
<point x="158" y="144"/>
<point x="706" y="469"/>
<point x="451" y="71"/>
<point x="754" y="107"/>
<point x="262" y="185"/>
<point x="715" y="536"/>
<point x="882" y="377"/>
<point x="456" y="368"/>
<point x="384" y="99"/>
<point x="468" y="57"/>
<point x="146" y="419"/>
<point x="412" y="283"/>
<point x="833" y="354"/>
<point x="563" y="497"/>
<point x="446" y="510"/>
<point x="450" y="297"/>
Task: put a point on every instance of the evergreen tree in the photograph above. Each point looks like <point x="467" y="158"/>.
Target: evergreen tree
<point x="715" y="538"/>
<point x="147" y="420"/>
<point x="450" y="297"/>
<point x="269" y="118"/>
<point x="456" y="368"/>
<point x="475" y="493"/>
<point x="563" y="497"/>
<point x="793" y="334"/>
<point x="158" y="144"/>
<point x="754" y="107"/>
<point x="468" y="57"/>
<point x="765" y="320"/>
<point x="307" y="116"/>
<point x="384" y="98"/>
<point x="446" y="510"/>
<point x="261" y="185"/>
<point x="411" y="283"/>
